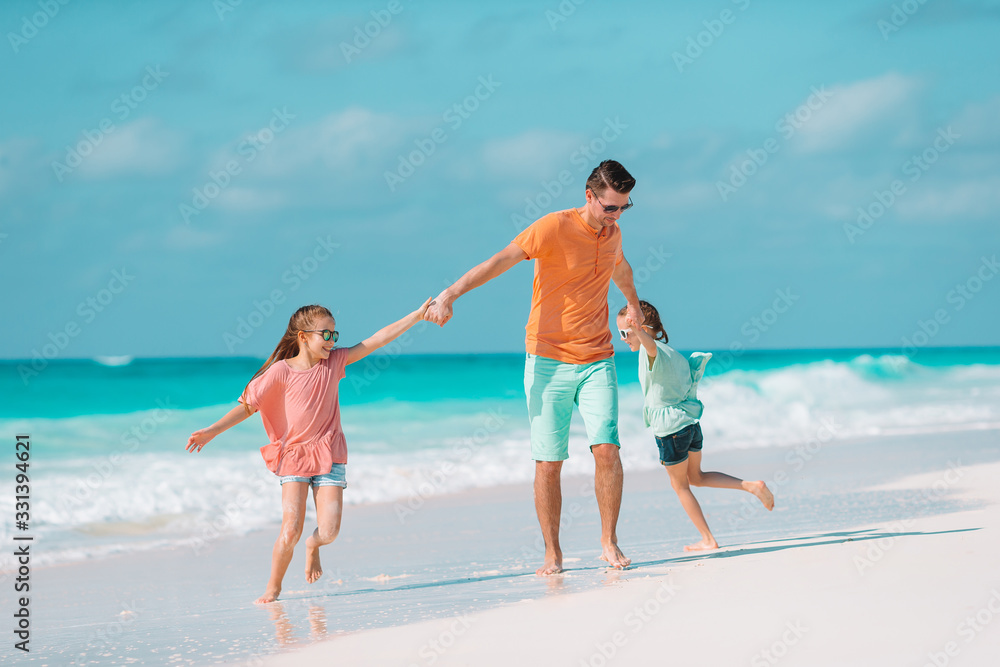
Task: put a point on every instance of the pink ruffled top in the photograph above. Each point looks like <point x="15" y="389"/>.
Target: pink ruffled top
<point x="301" y="415"/>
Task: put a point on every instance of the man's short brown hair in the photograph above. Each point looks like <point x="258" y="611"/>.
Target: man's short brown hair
<point x="610" y="174"/>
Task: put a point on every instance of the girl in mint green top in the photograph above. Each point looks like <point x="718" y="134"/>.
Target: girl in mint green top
<point x="671" y="407"/>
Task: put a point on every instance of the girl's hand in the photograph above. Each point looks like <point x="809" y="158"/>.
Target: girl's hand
<point x="199" y="439"/>
<point x="632" y="324"/>
<point x="422" y="310"/>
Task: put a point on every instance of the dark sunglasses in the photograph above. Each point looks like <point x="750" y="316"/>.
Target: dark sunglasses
<point x="327" y="334"/>
<point x="623" y="332"/>
<point x="612" y="209"/>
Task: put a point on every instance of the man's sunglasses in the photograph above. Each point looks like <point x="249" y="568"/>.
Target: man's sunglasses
<point x="613" y="209"/>
<point x="327" y="334"/>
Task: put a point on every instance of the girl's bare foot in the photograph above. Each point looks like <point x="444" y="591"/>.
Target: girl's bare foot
<point x="313" y="568"/>
<point x="270" y="595"/>
<point x="763" y="493"/>
<point x="704" y="545"/>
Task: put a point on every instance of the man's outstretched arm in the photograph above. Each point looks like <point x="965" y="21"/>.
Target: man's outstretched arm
<point x="624" y="281"/>
<point x="440" y="310"/>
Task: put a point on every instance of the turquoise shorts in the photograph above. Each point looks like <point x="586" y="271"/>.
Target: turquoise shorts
<point x="553" y="388"/>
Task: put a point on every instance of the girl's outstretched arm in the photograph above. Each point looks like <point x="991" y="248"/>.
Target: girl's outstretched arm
<point x="386" y="335"/>
<point x="200" y="438"/>
<point x="645" y="339"/>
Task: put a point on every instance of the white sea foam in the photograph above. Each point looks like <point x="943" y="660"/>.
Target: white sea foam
<point x="105" y="484"/>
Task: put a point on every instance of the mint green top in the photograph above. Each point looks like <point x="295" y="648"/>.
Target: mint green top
<point x="670" y="388"/>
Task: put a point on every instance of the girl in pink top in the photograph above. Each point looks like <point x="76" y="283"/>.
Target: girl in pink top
<point x="296" y="393"/>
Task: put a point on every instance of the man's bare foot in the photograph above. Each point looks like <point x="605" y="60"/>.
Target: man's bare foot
<point x="313" y="568"/>
<point x="614" y="557"/>
<point x="704" y="545"/>
<point x="270" y="595"/>
<point x="553" y="565"/>
<point x="763" y="493"/>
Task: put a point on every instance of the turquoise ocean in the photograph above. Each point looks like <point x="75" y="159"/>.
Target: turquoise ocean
<point x="109" y="472"/>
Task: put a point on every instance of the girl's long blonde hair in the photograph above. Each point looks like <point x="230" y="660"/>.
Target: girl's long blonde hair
<point x="288" y="346"/>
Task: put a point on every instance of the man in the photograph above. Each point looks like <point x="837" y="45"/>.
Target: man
<point x="570" y="360"/>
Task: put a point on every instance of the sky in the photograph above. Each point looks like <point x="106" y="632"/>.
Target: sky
<point x="176" y="178"/>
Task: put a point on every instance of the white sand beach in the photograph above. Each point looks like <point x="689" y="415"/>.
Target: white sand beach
<point x="878" y="552"/>
<point x="921" y="589"/>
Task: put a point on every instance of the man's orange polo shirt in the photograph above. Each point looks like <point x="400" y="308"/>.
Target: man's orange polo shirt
<point x="569" y="300"/>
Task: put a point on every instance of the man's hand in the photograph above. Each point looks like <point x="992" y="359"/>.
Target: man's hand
<point x="439" y="312"/>
<point x="635" y="314"/>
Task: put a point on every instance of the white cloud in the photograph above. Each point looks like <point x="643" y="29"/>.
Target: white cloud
<point x="531" y="155"/>
<point x="340" y="144"/>
<point x="249" y="199"/>
<point x="977" y="123"/>
<point x="977" y="199"/>
<point x="856" y="111"/>
<point x="143" y="146"/>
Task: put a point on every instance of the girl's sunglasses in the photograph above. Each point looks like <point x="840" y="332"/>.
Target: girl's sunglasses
<point x="327" y="334"/>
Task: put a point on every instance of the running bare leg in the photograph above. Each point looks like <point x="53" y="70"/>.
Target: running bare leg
<point x="721" y="480"/>
<point x="293" y="514"/>
<point x="329" y="509"/>
<point x="608" y="478"/>
<point x="548" y="506"/>
<point x="679" y="481"/>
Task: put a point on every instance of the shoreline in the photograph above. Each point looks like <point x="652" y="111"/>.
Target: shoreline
<point x="471" y="553"/>
<point x="856" y="596"/>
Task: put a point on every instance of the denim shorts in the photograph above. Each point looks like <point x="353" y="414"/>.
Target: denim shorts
<point x="336" y="477"/>
<point x="674" y="448"/>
